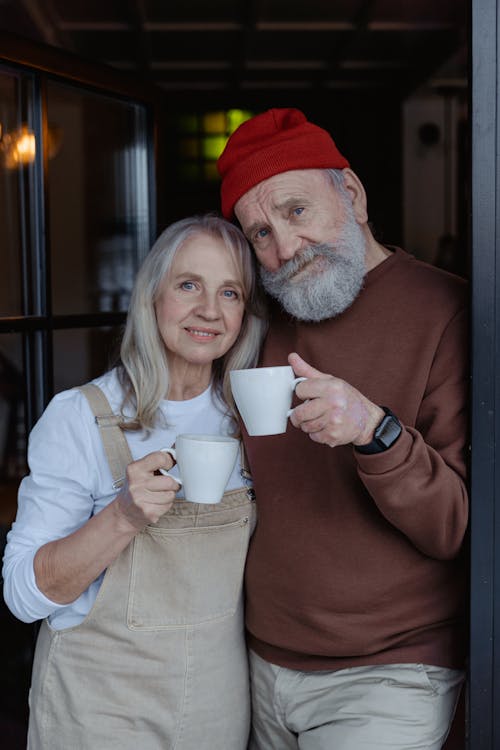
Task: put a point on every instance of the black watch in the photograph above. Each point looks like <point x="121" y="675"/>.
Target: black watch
<point x="385" y="435"/>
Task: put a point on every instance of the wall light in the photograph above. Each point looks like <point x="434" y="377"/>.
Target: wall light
<point x="17" y="147"/>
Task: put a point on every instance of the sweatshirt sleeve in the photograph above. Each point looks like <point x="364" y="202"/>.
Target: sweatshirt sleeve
<point x="419" y="484"/>
<point x="53" y="501"/>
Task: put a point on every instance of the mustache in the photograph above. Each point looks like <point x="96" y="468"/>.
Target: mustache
<point x="300" y="261"/>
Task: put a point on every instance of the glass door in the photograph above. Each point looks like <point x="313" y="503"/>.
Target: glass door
<point x="77" y="215"/>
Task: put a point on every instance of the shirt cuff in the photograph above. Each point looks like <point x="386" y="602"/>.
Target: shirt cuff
<point x="380" y="463"/>
<point x="22" y="594"/>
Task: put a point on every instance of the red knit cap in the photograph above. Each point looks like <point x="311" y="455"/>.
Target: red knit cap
<point x="276" y="141"/>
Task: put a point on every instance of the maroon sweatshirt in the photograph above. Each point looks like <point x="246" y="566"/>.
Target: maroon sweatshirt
<point x="359" y="559"/>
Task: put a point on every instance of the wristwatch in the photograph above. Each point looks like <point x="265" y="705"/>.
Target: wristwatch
<point x="386" y="433"/>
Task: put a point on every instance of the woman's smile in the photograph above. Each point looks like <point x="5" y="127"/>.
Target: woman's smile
<point x="200" y="307"/>
<point x="203" y="334"/>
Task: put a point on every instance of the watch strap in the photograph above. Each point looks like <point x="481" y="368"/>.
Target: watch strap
<point x="385" y="435"/>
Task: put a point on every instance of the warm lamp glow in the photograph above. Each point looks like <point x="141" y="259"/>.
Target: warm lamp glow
<point x="25" y="146"/>
<point x="18" y="147"/>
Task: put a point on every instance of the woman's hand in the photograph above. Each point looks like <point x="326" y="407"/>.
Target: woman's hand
<point x="147" y="495"/>
<point x="66" y="567"/>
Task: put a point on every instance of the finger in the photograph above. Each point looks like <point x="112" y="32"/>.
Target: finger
<point x="161" y="483"/>
<point x="314" y="425"/>
<point x="140" y="503"/>
<point x="328" y="388"/>
<point x="308" y="411"/>
<point x="156" y="489"/>
<point x="157" y="499"/>
<point x="325" y="422"/>
<point x="150" y="463"/>
<point x="302" y="368"/>
<point x="162" y="460"/>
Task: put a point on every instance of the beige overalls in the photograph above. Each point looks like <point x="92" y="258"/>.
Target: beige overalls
<point x="160" y="660"/>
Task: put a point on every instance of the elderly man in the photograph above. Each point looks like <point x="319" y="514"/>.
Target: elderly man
<point x="356" y="574"/>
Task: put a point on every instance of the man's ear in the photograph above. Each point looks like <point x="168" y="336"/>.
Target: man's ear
<point x="355" y="188"/>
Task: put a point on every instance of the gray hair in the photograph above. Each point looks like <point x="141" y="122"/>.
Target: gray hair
<point x="336" y="177"/>
<point x="143" y="367"/>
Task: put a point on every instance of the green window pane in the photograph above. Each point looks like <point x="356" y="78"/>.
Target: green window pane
<point x="203" y="138"/>
<point x="214" y="122"/>
<point x="213" y="145"/>
<point x="235" y="117"/>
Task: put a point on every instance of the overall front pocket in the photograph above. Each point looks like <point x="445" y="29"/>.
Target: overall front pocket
<point x="186" y="576"/>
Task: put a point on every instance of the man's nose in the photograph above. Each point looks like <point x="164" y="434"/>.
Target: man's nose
<point x="288" y="244"/>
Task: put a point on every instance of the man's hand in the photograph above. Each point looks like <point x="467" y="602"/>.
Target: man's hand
<point x="147" y="496"/>
<point x="333" y="411"/>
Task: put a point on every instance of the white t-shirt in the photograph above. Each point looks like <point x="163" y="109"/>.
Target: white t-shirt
<point x="70" y="481"/>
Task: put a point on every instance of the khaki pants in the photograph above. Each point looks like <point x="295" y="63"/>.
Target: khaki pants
<point x="399" y="706"/>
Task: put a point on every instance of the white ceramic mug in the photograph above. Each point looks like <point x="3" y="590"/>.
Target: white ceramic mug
<point x="205" y="464"/>
<point x="263" y="396"/>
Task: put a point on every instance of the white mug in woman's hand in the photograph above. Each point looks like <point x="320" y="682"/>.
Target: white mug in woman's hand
<point x="263" y="396"/>
<point x="205" y="464"/>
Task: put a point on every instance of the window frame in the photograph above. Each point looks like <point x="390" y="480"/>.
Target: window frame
<point x="483" y="720"/>
<point x="44" y="64"/>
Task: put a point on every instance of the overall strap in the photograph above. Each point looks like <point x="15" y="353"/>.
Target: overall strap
<point x="245" y="468"/>
<point x="114" y="441"/>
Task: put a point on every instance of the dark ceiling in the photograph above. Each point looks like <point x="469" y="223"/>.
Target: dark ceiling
<point x="259" y="45"/>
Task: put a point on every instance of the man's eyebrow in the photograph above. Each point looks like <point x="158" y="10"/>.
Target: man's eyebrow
<point x="289" y="202"/>
<point x="286" y="203"/>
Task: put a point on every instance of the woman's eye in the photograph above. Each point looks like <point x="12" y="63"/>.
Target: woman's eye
<point x="188" y="285"/>
<point x="231" y="294"/>
<point x="262" y="233"/>
<point x="297" y="211"/>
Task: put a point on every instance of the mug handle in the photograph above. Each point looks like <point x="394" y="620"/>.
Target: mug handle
<point x="165" y="473"/>
<point x="295" y="384"/>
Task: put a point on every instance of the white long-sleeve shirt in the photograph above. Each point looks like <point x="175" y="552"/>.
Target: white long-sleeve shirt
<point x="70" y="481"/>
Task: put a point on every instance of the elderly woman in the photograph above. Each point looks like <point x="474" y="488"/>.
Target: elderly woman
<point x="142" y="642"/>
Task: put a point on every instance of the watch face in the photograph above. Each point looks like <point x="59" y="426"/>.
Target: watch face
<point x="384" y="436"/>
<point x="388" y="431"/>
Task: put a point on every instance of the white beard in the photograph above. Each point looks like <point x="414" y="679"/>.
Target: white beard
<point x="324" y="293"/>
